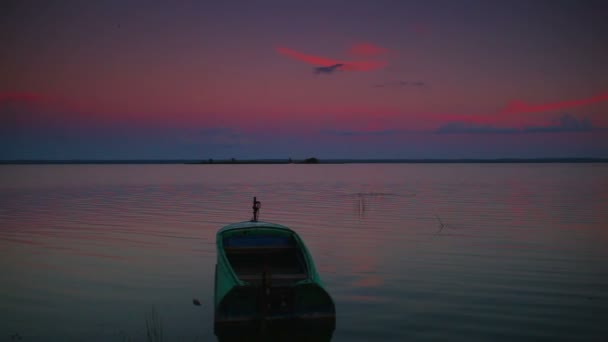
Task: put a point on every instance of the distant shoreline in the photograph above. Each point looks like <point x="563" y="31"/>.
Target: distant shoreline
<point x="321" y="161"/>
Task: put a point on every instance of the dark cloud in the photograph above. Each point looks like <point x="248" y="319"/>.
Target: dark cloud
<point x="565" y="123"/>
<point x="223" y="136"/>
<point x="218" y="137"/>
<point x="328" y="69"/>
<point x="214" y="131"/>
<point x="467" y="127"/>
<point x="359" y="133"/>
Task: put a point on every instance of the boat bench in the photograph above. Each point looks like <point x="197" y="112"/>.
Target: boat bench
<point x="295" y="276"/>
<point x="258" y="250"/>
<point x="282" y="262"/>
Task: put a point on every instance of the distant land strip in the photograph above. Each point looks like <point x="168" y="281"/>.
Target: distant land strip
<point x="306" y="161"/>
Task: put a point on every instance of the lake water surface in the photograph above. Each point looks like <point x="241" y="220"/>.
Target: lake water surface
<point x="409" y="252"/>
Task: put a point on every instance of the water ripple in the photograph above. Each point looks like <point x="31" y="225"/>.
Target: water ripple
<point x="409" y="252"/>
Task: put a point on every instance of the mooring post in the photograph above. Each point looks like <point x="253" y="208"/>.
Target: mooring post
<point x="256" y="208"/>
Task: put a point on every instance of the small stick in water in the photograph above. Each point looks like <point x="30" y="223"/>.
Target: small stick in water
<point x="441" y="225"/>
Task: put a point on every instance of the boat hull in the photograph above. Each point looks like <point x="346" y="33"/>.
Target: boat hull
<point x="277" y="301"/>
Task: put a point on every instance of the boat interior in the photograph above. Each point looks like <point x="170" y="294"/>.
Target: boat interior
<point x="266" y="259"/>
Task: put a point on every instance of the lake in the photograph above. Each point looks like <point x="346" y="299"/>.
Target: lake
<point x="409" y="252"/>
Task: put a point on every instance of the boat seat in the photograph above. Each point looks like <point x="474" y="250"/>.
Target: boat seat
<point x="258" y="250"/>
<point x="294" y="276"/>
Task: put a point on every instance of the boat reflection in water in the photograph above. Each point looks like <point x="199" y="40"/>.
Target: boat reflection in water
<point x="267" y="287"/>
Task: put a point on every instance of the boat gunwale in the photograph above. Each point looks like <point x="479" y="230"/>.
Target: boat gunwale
<point x="252" y="224"/>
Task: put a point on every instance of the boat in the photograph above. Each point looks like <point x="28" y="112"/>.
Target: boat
<point x="266" y="284"/>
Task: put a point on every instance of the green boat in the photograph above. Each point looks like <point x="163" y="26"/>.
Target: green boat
<point x="266" y="284"/>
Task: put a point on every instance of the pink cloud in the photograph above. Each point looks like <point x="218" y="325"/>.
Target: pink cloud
<point x="368" y="50"/>
<point x="522" y="107"/>
<point x="322" y="61"/>
<point x="515" y="115"/>
<point x="22" y="97"/>
<point x="35" y="100"/>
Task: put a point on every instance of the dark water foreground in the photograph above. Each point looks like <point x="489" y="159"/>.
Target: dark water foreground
<point x="416" y="252"/>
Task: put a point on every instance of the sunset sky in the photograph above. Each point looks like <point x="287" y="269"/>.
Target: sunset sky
<point x="279" y="79"/>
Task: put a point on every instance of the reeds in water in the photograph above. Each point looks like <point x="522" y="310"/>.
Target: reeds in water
<point x="154" y="326"/>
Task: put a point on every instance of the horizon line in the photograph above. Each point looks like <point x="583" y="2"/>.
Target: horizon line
<point x="211" y="161"/>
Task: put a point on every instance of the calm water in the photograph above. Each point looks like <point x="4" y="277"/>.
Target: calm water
<point x="409" y="252"/>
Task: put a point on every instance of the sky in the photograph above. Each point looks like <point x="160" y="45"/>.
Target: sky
<point x="280" y="79"/>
